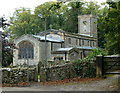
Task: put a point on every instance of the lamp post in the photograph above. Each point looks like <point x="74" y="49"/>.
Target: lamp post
<point x="45" y="43"/>
<point x="27" y="54"/>
<point x="45" y="28"/>
<point x="41" y="16"/>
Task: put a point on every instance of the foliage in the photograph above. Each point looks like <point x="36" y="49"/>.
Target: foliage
<point x="85" y="69"/>
<point x="53" y="13"/>
<point x="96" y="52"/>
<point x="101" y="29"/>
<point x="3" y="22"/>
<point x="111" y="27"/>
<point x="7" y="51"/>
<point x="21" y="23"/>
<point x="7" y="47"/>
<point x="86" y="66"/>
<point x="56" y="15"/>
<point x="63" y="15"/>
<point x="92" y="55"/>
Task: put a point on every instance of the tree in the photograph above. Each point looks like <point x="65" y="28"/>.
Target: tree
<point x="7" y="51"/>
<point x="52" y="13"/>
<point x="56" y="15"/>
<point x="111" y="27"/>
<point x="101" y="26"/>
<point x="3" y="23"/>
<point x="22" y="22"/>
<point x="7" y="47"/>
<point x="73" y="10"/>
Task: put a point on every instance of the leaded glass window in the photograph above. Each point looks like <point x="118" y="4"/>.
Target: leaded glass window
<point x="26" y="50"/>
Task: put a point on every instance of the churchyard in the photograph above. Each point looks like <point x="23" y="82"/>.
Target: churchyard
<point x="81" y="54"/>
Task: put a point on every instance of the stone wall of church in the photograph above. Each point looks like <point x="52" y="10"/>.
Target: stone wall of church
<point x="87" y="25"/>
<point x="55" y="46"/>
<point x="74" y="56"/>
<point x="35" y="42"/>
<point x="45" y="51"/>
<point x="80" y="41"/>
<point x="50" y="47"/>
<point x="58" y="56"/>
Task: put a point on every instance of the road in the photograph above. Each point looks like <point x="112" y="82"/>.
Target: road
<point x="107" y="84"/>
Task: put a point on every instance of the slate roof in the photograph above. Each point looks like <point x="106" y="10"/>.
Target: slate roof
<point x="68" y="49"/>
<point x="86" y="35"/>
<point x="63" y="50"/>
<point x="51" y="39"/>
<point x="49" y="31"/>
<point x="86" y="47"/>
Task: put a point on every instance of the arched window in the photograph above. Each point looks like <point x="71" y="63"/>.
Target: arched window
<point x="26" y="50"/>
<point x="69" y="40"/>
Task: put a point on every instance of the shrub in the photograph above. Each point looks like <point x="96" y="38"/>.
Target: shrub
<point x="84" y="67"/>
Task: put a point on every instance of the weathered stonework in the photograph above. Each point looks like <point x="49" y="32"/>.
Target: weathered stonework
<point x="17" y="75"/>
<point x="87" y="25"/>
<point x="36" y="44"/>
<point x="58" y="44"/>
<point x="67" y="71"/>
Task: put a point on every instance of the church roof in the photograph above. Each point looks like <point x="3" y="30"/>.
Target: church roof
<point x="51" y="39"/>
<point x="68" y="49"/>
<point x="49" y="31"/>
<point x="86" y="47"/>
<point x="63" y="50"/>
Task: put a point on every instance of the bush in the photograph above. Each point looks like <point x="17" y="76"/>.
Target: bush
<point x="86" y="68"/>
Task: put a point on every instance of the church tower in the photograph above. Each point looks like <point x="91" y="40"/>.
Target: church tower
<point x="87" y="25"/>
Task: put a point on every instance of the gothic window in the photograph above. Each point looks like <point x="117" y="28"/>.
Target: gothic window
<point x="76" y="42"/>
<point x="88" y="43"/>
<point x="93" y="44"/>
<point x="26" y="50"/>
<point x="79" y="42"/>
<point x="83" y="42"/>
<point x="69" y="40"/>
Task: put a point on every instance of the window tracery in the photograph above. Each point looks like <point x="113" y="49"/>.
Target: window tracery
<point x="26" y="50"/>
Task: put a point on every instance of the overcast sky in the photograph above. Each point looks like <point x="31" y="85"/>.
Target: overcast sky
<point x="7" y="7"/>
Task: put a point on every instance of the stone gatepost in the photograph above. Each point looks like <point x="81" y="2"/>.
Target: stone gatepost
<point x="43" y="74"/>
<point x="99" y="66"/>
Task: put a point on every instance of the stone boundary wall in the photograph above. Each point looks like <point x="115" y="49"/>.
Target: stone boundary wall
<point x="67" y="71"/>
<point x="18" y="75"/>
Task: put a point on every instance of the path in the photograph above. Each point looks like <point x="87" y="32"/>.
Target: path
<point x="98" y="85"/>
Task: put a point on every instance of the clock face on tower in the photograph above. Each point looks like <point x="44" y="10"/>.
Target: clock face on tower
<point x="86" y="25"/>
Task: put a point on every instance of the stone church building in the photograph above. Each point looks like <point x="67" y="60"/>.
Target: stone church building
<point x="54" y="44"/>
